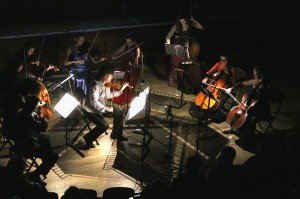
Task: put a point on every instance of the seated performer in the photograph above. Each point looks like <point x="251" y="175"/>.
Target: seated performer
<point x="31" y="141"/>
<point x="227" y="73"/>
<point x="260" y="93"/>
<point x="182" y="29"/>
<point x="131" y="64"/>
<point x="98" y="95"/>
<point x="76" y="57"/>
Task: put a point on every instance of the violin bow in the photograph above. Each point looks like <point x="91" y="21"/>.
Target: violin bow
<point x="44" y="37"/>
<point x="91" y="46"/>
<point x="128" y="50"/>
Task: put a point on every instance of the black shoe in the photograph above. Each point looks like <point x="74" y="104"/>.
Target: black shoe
<point x="122" y="138"/>
<point x="33" y="177"/>
<point x="113" y="136"/>
<point x="89" y="143"/>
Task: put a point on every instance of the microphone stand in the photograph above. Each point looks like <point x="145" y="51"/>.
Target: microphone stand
<point x="170" y="115"/>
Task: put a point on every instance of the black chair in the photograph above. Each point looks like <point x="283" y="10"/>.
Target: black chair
<point x="276" y="100"/>
<point x="118" y="193"/>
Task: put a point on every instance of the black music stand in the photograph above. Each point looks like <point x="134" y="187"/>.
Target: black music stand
<point x="143" y="100"/>
<point x="65" y="107"/>
<point x="210" y="96"/>
<point x="181" y="51"/>
<point x="167" y="154"/>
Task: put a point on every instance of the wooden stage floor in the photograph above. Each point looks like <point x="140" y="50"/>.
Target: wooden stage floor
<point x="113" y="164"/>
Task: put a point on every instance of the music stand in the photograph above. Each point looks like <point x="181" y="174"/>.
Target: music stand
<point x="210" y="96"/>
<point x="65" y="107"/>
<point x="181" y="51"/>
<point x="137" y="105"/>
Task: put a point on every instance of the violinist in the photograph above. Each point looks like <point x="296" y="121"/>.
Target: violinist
<point x="225" y="70"/>
<point x="260" y="92"/>
<point x="33" y="68"/>
<point x="98" y="94"/>
<point x="181" y="28"/>
<point x="77" y="58"/>
<point x="131" y="66"/>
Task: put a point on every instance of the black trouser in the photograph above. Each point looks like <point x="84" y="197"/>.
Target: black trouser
<point x="48" y="157"/>
<point x="102" y="125"/>
<point x="118" y="120"/>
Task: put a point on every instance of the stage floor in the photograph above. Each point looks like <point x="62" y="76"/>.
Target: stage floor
<point x="113" y="163"/>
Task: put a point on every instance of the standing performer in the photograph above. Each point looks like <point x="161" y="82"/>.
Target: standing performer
<point x="182" y="31"/>
<point x="98" y="95"/>
<point x="131" y="67"/>
<point x="77" y="58"/>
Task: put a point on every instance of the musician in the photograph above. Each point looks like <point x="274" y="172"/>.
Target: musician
<point x="181" y="28"/>
<point x="31" y="139"/>
<point x="223" y="67"/>
<point x="76" y="57"/>
<point x="98" y="95"/>
<point x="131" y="66"/>
<point x="260" y="92"/>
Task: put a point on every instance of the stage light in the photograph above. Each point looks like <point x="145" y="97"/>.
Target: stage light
<point x="66" y="105"/>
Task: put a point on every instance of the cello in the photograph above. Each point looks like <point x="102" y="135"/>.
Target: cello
<point x="220" y="80"/>
<point x="238" y="114"/>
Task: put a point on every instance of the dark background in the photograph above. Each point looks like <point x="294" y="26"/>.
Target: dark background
<point x="252" y="32"/>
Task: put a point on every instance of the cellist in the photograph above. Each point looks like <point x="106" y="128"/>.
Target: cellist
<point x="223" y="69"/>
<point x="260" y="92"/>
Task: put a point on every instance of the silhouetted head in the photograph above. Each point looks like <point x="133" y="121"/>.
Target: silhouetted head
<point x="193" y="165"/>
<point x="31" y="103"/>
<point x="227" y="155"/>
<point x="73" y="192"/>
<point x="16" y="165"/>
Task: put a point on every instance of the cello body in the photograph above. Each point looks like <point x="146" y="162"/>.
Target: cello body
<point x="45" y="110"/>
<point x="238" y="114"/>
<point x="205" y="102"/>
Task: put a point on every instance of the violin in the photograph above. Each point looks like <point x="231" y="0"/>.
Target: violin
<point x="115" y="85"/>
<point x="220" y="80"/>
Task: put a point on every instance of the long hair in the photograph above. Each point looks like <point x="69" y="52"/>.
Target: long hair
<point x="178" y="24"/>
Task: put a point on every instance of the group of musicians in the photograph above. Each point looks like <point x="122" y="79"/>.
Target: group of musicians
<point x="220" y="80"/>
<point x="26" y="72"/>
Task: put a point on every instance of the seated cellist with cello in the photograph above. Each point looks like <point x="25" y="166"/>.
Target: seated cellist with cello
<point x="222" y="74"/>
<point x="255" y="106"/>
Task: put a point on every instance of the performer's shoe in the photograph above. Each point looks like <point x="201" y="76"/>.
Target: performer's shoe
<point x="89" y="143"/>
<point x="122" y="138"/>
<point x="118" y="137"/>
<point x="33" y="177"/>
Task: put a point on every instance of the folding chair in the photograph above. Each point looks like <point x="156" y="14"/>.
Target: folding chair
<point x="83" y="116"/>
<point x="29" y="161"/>
<point x="277" y="98"/>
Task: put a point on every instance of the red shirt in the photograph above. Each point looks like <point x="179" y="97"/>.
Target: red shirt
<point x="219" y="66"/>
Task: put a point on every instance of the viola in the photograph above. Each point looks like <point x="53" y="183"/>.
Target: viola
<point x="220" y="80"/>
<point x="238" y="114"/>
<point x="116" y="85"/>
